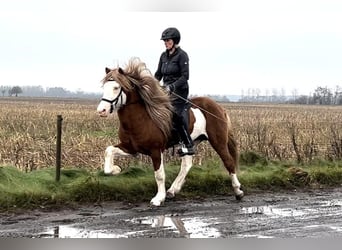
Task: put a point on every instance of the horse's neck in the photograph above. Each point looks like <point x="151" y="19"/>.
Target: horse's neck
<point x="132" y="98"/>
<point x="133" y="111"/>
<point x="133" y="117"/>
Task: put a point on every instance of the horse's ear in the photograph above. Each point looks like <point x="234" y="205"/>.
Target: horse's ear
<point x="121" y="71"/>
<point x="107" y="70"/>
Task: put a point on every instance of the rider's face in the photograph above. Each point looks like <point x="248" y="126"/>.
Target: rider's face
<point x="168" y="43"/>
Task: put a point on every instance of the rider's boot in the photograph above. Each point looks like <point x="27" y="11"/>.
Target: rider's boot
<point x="187" y="146"/>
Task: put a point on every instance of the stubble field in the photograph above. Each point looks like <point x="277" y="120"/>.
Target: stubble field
<point x="275" y="132"/>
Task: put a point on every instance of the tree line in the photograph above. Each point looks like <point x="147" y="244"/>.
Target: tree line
<point x="320" y="96"/>
<point x="39" y="91"/>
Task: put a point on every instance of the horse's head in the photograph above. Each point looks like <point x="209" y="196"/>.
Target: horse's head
<point x="135" y="85"/>
<point x="113" y="95"/>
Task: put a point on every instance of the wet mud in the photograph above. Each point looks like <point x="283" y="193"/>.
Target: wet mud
<point x="315" y="213"/>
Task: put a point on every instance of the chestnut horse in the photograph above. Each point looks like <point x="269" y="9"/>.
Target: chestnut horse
<point x="145" y="114"/>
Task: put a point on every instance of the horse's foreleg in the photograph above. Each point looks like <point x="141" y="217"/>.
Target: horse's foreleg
<point x="180" y="179"/>
<point x="159" y="174"/>
<point x="109" y="167"/>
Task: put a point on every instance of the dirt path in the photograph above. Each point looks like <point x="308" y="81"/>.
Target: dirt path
<point x="276" y="215"/>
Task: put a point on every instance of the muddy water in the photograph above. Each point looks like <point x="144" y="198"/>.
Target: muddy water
<point x="268" y="215"/>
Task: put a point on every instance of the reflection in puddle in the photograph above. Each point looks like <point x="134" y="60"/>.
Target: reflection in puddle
<point x="326" y="227"/>
<point x="332" y="203"/>
<point x="276" y="212"/>
<point x="72" y="232"/>
<point x="273" y="211"/>
<point x="186" y="228"/>
<point x="258" y="236"/>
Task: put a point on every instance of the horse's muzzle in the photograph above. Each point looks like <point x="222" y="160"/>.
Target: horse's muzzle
<point x="103" y="113"/>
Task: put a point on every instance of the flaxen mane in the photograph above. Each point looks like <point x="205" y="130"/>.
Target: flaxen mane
<point x="157" y="102"/>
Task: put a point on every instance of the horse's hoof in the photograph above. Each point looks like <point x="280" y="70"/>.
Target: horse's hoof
<point x="153" y="205"/>
<point x="114" y="170"/>
<point x="239" y="196"/>
<point x="170" y="195"/>
<point x="156" y="203"/>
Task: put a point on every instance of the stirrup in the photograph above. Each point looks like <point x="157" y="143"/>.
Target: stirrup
<point x="185" y="150"/>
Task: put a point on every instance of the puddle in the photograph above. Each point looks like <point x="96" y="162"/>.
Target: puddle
<point x="73" y="232"/>
<point x="186" y="228"/>
<point x="326" y="227"/>
<point x="273" y="211"/>
<point x="332" y="203"/>
<point x="296" y="218"/>
<point x="259" y="236"/>
<point x="276" y="212"/>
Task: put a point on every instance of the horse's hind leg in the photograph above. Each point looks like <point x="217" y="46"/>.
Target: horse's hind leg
<point x="229" y="164"/>
<point x="233" y="152"/>
<point x="229" y="155"/>
<point x="180" y="179"/>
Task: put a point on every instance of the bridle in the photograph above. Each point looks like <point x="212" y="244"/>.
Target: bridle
<point x="114" y="101"/>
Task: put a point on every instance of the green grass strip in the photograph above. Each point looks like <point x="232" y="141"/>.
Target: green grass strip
<point x="137" y="184"/>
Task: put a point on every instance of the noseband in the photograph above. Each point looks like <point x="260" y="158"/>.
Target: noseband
<point x="113" y="102"/>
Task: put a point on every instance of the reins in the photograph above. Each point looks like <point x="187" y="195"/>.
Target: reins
<point x="204" y="110"/>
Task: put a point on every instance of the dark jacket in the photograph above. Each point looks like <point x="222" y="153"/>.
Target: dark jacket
<point x="174" y="70"/>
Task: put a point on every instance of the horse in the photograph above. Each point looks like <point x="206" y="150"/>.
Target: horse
<point x="145" y="126"/>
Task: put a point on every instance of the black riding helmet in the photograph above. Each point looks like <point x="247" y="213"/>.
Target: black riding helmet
<point x="171" y="33"/>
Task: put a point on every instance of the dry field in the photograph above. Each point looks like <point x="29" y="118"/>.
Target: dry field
<point x="289" y="132"/>
<point x="278" y="132"/>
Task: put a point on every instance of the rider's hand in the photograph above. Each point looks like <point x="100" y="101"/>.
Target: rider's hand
<point x="169" y="88"/>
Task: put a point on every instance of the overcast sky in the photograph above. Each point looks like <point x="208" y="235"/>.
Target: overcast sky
<point x="232" y="45"/>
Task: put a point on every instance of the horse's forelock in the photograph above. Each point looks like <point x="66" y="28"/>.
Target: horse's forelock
<point x="118" y="76"/>
<point x="110" y="75"/>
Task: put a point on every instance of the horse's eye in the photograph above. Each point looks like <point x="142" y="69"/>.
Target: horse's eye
<point x="116" y="88"/>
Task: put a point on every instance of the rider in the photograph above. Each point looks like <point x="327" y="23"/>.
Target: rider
<point x="173" y="68"/>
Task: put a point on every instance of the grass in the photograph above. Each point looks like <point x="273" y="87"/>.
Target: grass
<point x="136" y="184"/>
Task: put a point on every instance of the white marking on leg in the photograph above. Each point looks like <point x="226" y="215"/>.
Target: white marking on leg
<point x="180" y="179"/>
<point x="109" y="167"/>
<point x="160" y="179"/>
<point x="236" y="185"/>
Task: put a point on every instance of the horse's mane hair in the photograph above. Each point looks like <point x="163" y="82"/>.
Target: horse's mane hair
<point x="157" y="102"/>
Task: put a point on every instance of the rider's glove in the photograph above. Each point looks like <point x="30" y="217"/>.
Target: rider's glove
<point x="169" y="88"/>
